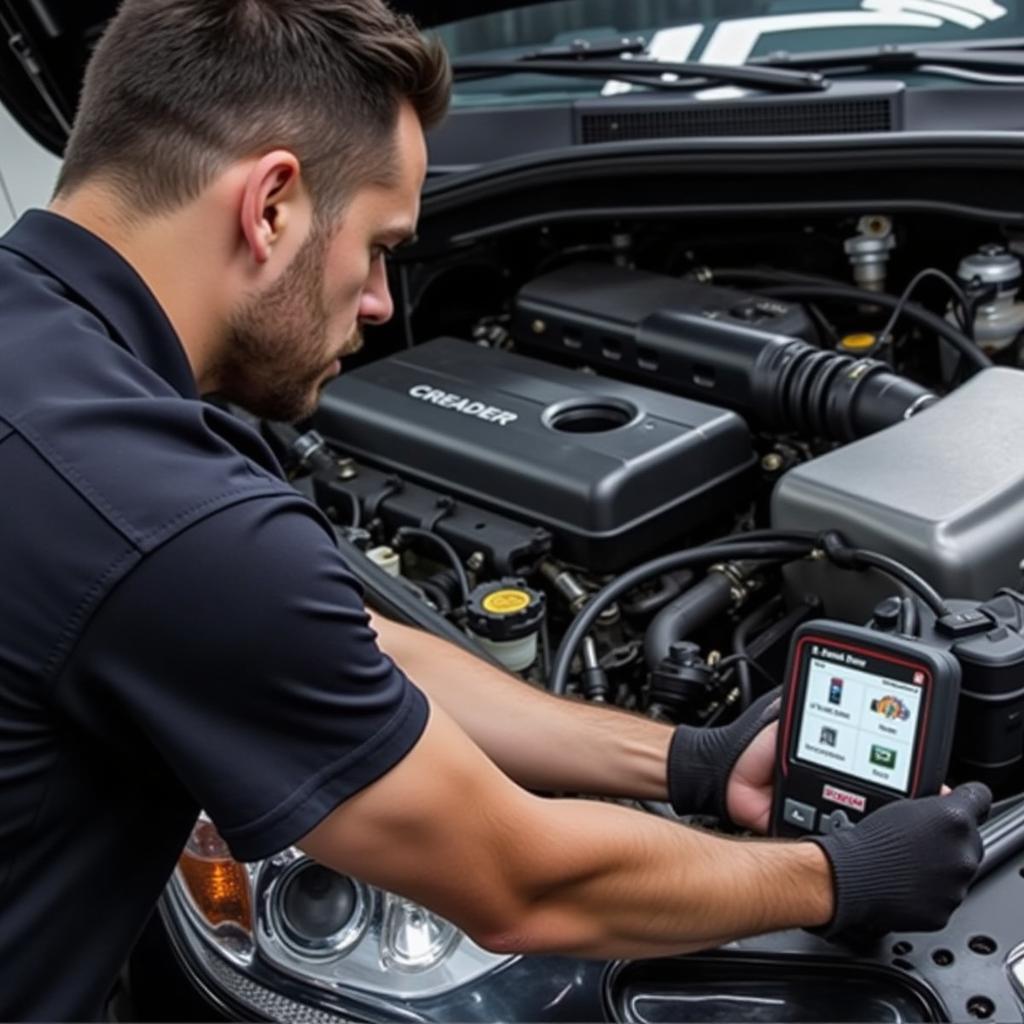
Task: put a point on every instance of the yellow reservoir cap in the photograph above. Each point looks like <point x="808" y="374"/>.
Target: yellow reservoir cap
<point x="506" y="602"/>
<point x="858" y="342"/>
<point x="506" y="610"/>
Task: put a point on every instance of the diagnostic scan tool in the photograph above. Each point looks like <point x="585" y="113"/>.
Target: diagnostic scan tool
<point x="866" y="718"/>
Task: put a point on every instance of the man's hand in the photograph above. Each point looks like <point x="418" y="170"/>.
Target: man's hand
<point x="748" y="793"/>
<point x="727" y="771"/>
<point x="907" y="866"/>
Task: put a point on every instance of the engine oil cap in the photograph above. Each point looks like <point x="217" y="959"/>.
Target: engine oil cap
<point x="505" y="609"/>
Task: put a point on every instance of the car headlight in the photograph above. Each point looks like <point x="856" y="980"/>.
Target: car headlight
<point x="285" y="936"/>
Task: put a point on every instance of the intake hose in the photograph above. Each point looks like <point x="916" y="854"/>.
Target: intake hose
<point x="681" y="618"/>
<point x="780" y="382"/>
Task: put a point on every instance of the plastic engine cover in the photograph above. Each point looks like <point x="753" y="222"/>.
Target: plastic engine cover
<point x="615" y="471"/>
<point x="942" y="492"/>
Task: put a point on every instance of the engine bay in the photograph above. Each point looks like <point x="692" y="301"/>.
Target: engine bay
<point x="598" y="403"/>
<point x="628" y="459"/>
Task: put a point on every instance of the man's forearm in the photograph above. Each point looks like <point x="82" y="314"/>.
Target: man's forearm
<point x="541" y="741"/>
<point x="634" y="886"/>
<point x="522" y="873"/>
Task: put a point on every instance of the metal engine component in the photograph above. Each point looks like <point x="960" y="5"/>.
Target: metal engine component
<point x="614" y="471"/>
<point x="921" y="493"/>
<point x="998" y="323"/>
<point x="869" y="254"/>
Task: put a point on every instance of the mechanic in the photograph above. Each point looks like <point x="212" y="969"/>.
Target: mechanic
<point x="177" y="629"/>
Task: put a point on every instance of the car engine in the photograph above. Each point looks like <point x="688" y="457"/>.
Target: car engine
<point x="611" y="414"/>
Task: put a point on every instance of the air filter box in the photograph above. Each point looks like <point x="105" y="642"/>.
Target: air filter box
<point x="942" y="492"/>
<point x="615" y="471"/>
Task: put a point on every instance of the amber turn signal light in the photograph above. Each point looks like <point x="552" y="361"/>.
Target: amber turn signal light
<point x="218" y="885"/>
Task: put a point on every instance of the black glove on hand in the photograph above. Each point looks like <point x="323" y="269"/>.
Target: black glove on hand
<point x="700" y="761"/>
<point x="907" y="866"/>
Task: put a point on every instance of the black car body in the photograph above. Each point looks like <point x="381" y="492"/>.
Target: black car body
<point x="568" y="218"/>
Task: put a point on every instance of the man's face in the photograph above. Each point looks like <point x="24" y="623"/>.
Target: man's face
<point x="288" y="341"/>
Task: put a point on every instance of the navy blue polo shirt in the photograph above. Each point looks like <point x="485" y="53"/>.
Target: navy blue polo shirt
<point x="177" y="629"/>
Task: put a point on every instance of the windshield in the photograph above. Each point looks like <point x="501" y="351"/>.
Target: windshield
<point x="713" y="31"/>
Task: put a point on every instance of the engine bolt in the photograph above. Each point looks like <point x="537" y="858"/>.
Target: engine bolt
<point x="539" y="327"/>
<point x="347" y="469"/>
<point x="772" y="462"/>
<point x="476" y="561"/>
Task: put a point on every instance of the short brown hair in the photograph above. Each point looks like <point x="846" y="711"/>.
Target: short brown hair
<point x="178" y="88"/>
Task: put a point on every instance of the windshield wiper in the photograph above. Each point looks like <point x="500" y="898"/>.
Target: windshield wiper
<point x="591" y="63"/>
<point x="588" y="49"/>
<point x="996" y="60"/>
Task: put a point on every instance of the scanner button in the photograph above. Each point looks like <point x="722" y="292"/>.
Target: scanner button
<point x="799" y="815"/>
<point x="834" y="822"/>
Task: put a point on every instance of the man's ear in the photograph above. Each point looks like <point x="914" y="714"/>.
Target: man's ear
<point x="274" y="200"/>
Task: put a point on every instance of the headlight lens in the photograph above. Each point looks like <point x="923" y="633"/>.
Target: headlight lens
<point x="318" y="913"/>
<point x="291" y="917"/>
<point x="413" y="939"/>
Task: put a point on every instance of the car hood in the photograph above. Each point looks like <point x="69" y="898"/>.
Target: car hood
<point x="46" y="44"/>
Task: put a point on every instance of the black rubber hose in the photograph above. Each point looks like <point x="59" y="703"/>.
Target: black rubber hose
<point x="764" y="545"/>
<point x="741" y="634"/>
<point x="846" y="557"/>
<point x="910" y="579"/>
<point x="412" y="533"/>
<point x="910" y="618"/>
<point x="797" y="286"/>
<point x="682" y="617"/>
<point x="387" y="595"/>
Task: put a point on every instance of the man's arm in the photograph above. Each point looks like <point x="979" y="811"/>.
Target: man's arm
<point x="543" y="742"/>
<point x="523" y="874"/>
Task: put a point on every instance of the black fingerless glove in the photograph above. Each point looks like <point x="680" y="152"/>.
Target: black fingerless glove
<point x="907" y="866"/>
<point x="700" y="761"/>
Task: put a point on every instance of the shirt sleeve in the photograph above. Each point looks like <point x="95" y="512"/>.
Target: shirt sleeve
<point x="242" y="652"/>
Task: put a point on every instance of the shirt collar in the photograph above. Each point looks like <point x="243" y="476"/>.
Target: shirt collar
<point x="99" y="278"/>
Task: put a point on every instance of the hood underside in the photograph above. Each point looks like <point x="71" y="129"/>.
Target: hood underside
<point x="46" y="45"/>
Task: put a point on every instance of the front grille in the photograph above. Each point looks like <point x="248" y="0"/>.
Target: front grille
<point x="823" y="117"/>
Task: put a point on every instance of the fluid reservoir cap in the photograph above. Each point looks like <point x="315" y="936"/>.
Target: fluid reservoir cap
<point x="505" y="609"/>
<point x="858" y="342"/>
<point x="991" y="264"/>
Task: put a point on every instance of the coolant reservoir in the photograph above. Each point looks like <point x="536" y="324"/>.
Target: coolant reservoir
<point x="997" y="324"/>
<point x="505" y="617"/>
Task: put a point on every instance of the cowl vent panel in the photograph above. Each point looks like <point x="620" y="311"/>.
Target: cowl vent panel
<point x="825" y="117"/>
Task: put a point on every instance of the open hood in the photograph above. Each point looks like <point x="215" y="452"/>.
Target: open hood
<point x="46" y="44"/>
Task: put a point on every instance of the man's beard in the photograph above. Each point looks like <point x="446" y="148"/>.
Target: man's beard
<point x="278" y="351"/>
